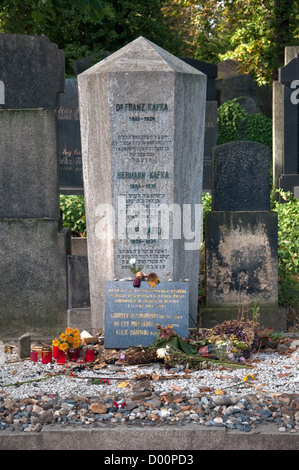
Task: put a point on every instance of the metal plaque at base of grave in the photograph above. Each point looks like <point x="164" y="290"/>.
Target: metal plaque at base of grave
<point x="132" y="314"/>
<point x="142" y="117"/>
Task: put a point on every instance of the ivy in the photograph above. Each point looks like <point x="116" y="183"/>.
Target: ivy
<point x="230" y="116"/>
<point x="235" y="124"/>
<point x="73" y="213"/>
<point x="288" y="247"/>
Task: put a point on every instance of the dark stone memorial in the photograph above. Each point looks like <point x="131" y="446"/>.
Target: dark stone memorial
<point x="241" y="177"/>
<point x="289" y="76"/>
<point x="241" y="238"/>
<point x="70" y="157"/>
<point x="33" y="247"/>
<point x="210" y="70"/>
<point x="37" y="84"/>
<point x="132" y="314"/>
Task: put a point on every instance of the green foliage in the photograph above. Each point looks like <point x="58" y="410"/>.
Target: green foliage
<point x="258" y="129"/>
<point x="206" y="200"/>
<point x="230" y="116"/>
<point x="288" y="247"/>
<point x="73" y="213"/>
<point x="84" y="28"/>
<point x="235" y="124"/>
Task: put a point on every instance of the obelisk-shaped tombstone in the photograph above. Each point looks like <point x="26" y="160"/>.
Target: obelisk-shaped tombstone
<point x="142" y="114"/>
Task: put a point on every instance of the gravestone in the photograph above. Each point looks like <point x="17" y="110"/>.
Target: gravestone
<point x="231" y="190"/>
<point x="70" y="163"/>
<point x="33" y="248"/>
<point x="241" y="237"/>
<point x="210" y="141"/>
<point x="142" y="115"/>
<point x="283" y="116"/>
<point x="132" y="314"/>
<point x="289" y="77"/>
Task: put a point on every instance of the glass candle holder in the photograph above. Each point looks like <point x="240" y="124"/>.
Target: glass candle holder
<point x="46" y="355"/>
<point x="55" y="351"/>
<point x="60" y="359"/>
<point x="89" y="355"/>
<point x="73" y="354"/>
<point x="34" y="356"/>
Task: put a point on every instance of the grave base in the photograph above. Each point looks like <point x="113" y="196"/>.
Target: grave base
<point x="274" y="318"/>
<point x="79" y="318"/>
<point x="33" y="295"/>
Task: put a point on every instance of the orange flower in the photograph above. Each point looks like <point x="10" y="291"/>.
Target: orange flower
<point x="56" y="342"/>
<point x="63" y="346"/>
<point x="69" y="331"/>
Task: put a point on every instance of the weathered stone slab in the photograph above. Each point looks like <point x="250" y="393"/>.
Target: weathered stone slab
<point x="142" y="116"/>
<point x="24" y="346"/>
<point x="33" y="248"/>
<point x="32" y="71"/>
<point x="78" y="282"/>
<point x="28" y="164"/>
<point x="33" y="277"/>
<point x="132" y="314"/>
<point x="240" y="178"/>
<point x="241" y="259"/>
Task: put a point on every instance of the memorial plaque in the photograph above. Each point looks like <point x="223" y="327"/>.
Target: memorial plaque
<point x="142" y="116"/>
<point x="132" y="314"/>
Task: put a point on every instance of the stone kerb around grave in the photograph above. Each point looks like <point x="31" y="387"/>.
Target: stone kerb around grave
<point x="142" y="115"/>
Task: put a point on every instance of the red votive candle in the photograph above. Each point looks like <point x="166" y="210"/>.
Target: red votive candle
<point x="46" y="355"/>
<point x="55" y="351"/>
<point x="89" y="355"/>
<point x="60" y="357"/>
<point x="34" y="356"/>
<point x="73" y="354"/>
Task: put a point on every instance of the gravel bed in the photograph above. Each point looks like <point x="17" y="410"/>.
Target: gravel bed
<point x="148" y="395"/>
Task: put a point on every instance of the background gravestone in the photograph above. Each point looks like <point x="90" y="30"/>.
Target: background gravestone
<point x="289" y="76"/>
<point x="142" y="115"/>
<point x="33" y="247"/>
<point x="70" y="162"/>
<point x="210" y="70"/>
<point x="241" y="237"/>
<point x="283" y="116"/>
<point x="241" y="178"/>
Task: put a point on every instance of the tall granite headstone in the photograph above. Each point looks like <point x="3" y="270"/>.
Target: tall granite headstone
<point x="289" y="76"/>
<point x="142" y="115"/>
<point x="70" y="157"/>
<point x="33" y="247"/>
<point x="241" y="237"/>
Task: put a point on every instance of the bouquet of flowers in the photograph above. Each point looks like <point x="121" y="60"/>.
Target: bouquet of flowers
<point x="224" y="349"/>
<point x="70" y="339"/>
